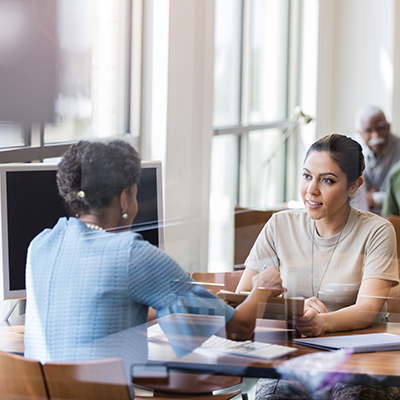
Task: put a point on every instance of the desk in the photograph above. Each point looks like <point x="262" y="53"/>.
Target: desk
<point x="373" y="368"/>
<point x="12" y="335"/>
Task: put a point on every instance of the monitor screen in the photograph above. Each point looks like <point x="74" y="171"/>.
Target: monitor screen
<point x="149" y="219"/>
<point x="30" y="203"/>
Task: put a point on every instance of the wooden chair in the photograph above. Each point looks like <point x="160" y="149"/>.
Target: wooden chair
<point x="21" y="378"/>
<point x="219" y="280"/>
<point x="90" y="380"/>
<point x="395" y="220"/>
<point x="248" y="225"/>
<point x="394" y="295"/>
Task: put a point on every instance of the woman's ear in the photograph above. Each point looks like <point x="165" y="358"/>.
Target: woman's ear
<point x="355" y="186"/>
<point x="124" y="201"/>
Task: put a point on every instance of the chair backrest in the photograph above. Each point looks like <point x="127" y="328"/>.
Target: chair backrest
<point x="248" y="225"/>
<point x="223" y="280"/>
<point x="21" y="378"/>
<point x="394" y="295"/>
<point x="395" y="220"/>
<point x="89" y="380"/>
<point x="393" y="304"/>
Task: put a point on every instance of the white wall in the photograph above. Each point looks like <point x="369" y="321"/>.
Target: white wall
<point x="356" y="61"/>
<point x="189" y="130"/>
<point x="347" y="60"/>
<point x="179" y="125"/>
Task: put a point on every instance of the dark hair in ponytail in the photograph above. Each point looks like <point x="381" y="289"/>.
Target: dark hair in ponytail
<point x="345" y="151"/>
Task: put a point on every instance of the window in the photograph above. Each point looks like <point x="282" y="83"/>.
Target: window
<point x="227" y="64"/>
<point x="92" y="75"/>
<point x="92" y="81"/>
<point x="10" y="134"/>
<point x="251" y="85"/>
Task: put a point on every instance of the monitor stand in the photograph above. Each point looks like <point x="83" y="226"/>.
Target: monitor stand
<point x="10" y="311"/>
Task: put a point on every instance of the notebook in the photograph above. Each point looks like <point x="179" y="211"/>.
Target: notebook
<point x="365" y="343"/>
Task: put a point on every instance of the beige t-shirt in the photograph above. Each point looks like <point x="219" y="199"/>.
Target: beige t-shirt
<point x="366" y="249"/>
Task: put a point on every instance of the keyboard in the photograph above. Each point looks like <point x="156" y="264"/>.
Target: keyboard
<point x="248" y="348"/>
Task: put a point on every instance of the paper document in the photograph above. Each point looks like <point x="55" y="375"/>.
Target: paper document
<point x="365" y="343"/>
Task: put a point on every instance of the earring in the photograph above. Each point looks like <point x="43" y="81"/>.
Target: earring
<point x="124" y="215"/>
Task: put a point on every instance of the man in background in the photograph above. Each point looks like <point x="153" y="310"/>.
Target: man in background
<point x="381" y="150"/>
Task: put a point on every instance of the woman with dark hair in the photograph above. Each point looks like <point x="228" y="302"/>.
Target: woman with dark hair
<point x="90" y="280"/>
<point x="341" y="260"/>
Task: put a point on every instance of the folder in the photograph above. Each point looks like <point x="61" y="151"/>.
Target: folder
<point x="365" y="343"/>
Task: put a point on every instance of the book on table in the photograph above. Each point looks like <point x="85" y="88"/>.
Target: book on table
<point x="364" y="343"/>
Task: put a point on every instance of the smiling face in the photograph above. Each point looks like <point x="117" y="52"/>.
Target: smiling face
<point x="324" y="189"/>
<point x="375" y="132"/>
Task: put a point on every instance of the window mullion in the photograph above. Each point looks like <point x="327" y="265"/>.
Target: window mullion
<point x="246" y="63"/>
<point x="27" y="134"/>
<point x="244" y="102"/>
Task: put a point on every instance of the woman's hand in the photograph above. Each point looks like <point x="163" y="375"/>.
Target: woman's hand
<point x="269" y="279"/>
<point x="370" y="299"/>
<point x="311" y="323"/>
<point x="265" y="284"/>
<point x="315" y="304"/>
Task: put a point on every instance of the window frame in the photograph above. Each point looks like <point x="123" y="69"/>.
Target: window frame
<point x="42" y="151"/>
<point x="244" y="127"/>
<point x="34" y="147"/>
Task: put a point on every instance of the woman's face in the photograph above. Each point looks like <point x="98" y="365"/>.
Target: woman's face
<point x="323" y="188"/>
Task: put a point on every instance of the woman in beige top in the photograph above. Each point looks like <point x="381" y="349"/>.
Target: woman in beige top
<point x="341" y="260"/>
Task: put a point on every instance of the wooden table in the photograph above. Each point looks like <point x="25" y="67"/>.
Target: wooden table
<point x="12" y="335"/>
<point x="373" y="368"/>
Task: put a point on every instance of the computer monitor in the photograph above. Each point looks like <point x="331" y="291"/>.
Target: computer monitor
<point x="149" y="221"/>
<point x="29" y="203"/>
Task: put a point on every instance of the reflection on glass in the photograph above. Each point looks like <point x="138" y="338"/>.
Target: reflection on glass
<point x="223" y="198"/>
<point x="227" y="62"/>
<point x="10" y="134"/>
<point x="91" y="70"/>
<point x="269" y="59"/>
<point x="265" y="183"/>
